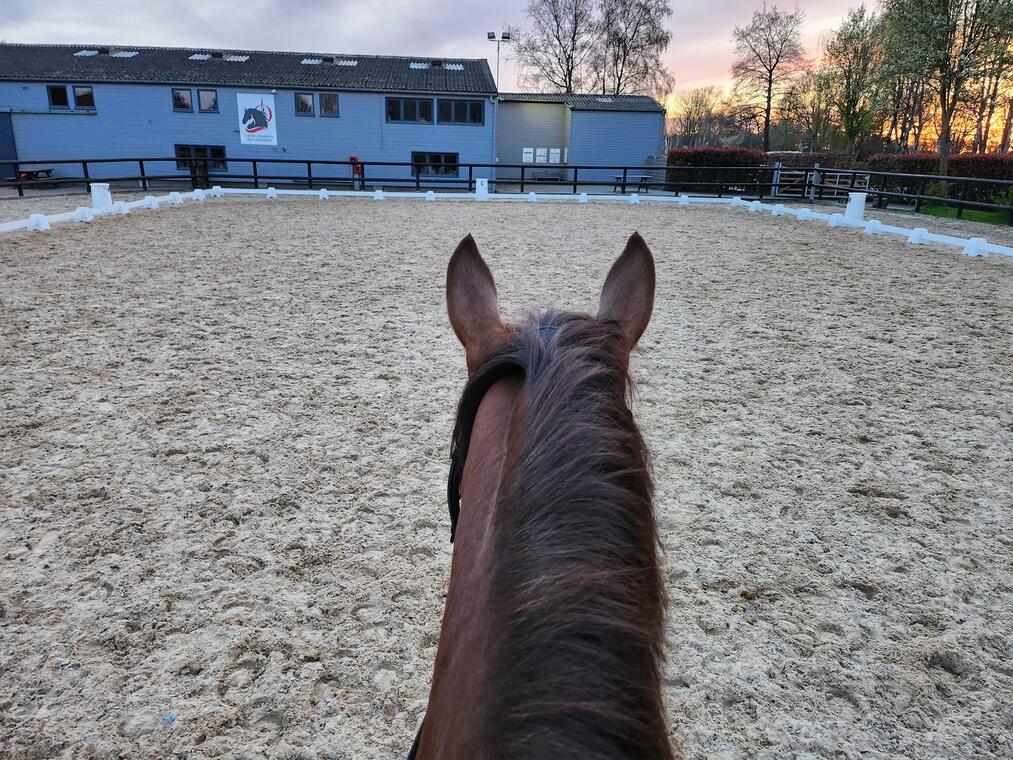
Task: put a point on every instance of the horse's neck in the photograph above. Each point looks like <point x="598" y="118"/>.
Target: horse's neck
<point x="454" y="719"/>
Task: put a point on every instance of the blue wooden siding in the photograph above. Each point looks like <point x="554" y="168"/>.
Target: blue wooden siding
<point x="138" y="120"/>
<point x="615" y="138"/>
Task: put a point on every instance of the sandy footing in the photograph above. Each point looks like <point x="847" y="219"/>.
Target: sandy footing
<point x="223" y="451"/>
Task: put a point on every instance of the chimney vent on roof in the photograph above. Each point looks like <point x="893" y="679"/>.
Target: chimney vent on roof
<point x="103" y="51"/>
<point x="328" y="59"/>
<point x="217" y="54"/>
<point x="436" y="63"/>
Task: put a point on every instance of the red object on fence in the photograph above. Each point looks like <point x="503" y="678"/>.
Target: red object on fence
<point x="356" y="164"/>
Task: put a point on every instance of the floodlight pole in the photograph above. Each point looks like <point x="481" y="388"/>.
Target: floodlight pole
<point x="503" y="37"/>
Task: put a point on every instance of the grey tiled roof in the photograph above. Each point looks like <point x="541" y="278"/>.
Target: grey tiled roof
<point x="262" y="69"/>
<point x="586" y="102"/>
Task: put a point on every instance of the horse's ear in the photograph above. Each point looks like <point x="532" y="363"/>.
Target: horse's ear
<point x="472" y="302"/>
<point x="628" y="294"/>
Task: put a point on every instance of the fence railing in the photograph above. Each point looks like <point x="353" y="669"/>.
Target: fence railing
<point x="745" y="181"/>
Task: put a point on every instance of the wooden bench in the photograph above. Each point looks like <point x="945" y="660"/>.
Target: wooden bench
<point x="642" y="181"/>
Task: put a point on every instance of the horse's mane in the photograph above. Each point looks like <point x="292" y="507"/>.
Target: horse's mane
<point x="576" y="587"/>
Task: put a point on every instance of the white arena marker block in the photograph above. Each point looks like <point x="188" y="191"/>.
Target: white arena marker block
<point x="683" y="199"/>
<point x="120" y="208"/>
<point x="778" y="210"/>
<point x="150" y="201"/>
<point x="216" y="192"/>
<point x="430" y="195"/>
<point x="482" y="189"/>
<point x="976" y="247"/>
<point x="101" y="198"/>
<point x="324" y="195"/>
<point x="175" y="199"/>
<point x="836" y="220"/>
<point x="82" y="214"/>
<point x="874" y="227"/>
<point x="634" y="199"/>
<point x="804" y="215"/>
<point x="38" y="223"/>
<point x="582" y="198"/>
<point x="855" y="210"/>
<point x="378" y="194"/>
<point x="918" y="235"/>
<point x="532" y="197"/>
<point x="199" y="195"/>
<point x="755" y="206"/>
<point x="272" y="193"/>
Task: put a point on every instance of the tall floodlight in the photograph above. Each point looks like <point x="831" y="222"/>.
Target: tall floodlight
<point x="503" y="37"/>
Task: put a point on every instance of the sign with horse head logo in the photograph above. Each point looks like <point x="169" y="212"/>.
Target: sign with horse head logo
<point x="256" y="119"/>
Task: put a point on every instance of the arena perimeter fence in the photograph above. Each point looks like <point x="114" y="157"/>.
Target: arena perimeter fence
<point x="743" y="181"/>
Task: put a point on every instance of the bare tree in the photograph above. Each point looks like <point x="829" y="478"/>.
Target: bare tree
<point x="555" y="54"/>
<point x="807" y="108"/>
<point x="632" y="40"/>
<point x="695" y="118"/>
<point x="948" y="42"/>
<point x="1004" y="141"/>
<point x="768" y="54"/>
<point x="852" y="61"/>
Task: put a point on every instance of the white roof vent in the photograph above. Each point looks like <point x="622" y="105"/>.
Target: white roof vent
<point x="418" y="65"/>
<point x="200" y="57"/>
<point x="346" y="62"/>
<point x="85" y="53"/>
<point x="237" y="58"/>
<point x="123" y="54"/>
<point x="605" y="100"/>
<point x="311" y="61"/>
<point x="454" y="66"/>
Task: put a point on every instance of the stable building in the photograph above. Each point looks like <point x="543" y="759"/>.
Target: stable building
<point x="228" y="108"/>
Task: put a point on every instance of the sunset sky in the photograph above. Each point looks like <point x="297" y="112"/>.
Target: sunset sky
<point x="700" y="54"/>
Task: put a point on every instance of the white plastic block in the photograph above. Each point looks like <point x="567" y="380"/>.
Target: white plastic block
<point x="874" y="227"/>
<point x="271" y="193"/>
<point x="918" y="235"/>
<point x="82" y="214"/>
<point x="532" y="197"/>
<point x="804" y="215"/>
<point x="199" y="195"/>
<point x="583" y="198"/>
<point x="101" y="198"/>
<point x="634" y="199"/>
<point x="683" y="199"/>
<point x="855" y="210"/>
<point x="976" y="247"/>
<point x="482" y="189"/>
<point x="216" y="192"/>
<point x="150" y="201"/>
<point x="836" y="220"/>
<point x="430" y="195"/>
<point x="778" y="210"/>
<point x="324" y="195"/>
<point x="755" y="206"/>
<point x="378" y="194"/>
<point x="175" y="199"/>
<point x="737" y="201"/>
<point x="38" y="223"/>
<point x="120" y="208"/>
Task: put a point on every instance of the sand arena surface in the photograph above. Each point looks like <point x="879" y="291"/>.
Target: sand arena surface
<point x="224" y="449"/>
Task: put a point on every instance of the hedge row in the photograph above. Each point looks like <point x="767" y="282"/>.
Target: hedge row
<point x="691" y="181"/>
<point x="987" y="166"/>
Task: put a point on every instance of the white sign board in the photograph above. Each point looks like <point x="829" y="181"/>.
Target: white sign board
<point x="529" y="155"/>
<point x="541" y="155"/>
<point x="553" y="155"/>
<point x="257" y="125"/>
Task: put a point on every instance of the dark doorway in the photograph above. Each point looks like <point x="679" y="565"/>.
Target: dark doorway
<point x="8" y="150"/>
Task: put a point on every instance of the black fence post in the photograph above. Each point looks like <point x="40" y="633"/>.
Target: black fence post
<point x="625" y="169"/>
<point x="471" y="177"/>
<point x="921" y="192"/>
<point x="309" y="174"/>
<point x="522" y="178"/>
<point x="85" y="174"/>
<point x="362" y="176"/>
<point x="17" y="178"/>
<point x="882" y="188"/>
<point x="144" y="177"/>
<point x="256" y="179"/>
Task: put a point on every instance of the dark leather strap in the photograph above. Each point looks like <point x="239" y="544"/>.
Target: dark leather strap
<point x="413" y="752"/>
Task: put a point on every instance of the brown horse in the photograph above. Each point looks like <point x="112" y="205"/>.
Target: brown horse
<point x="552" y="632"/>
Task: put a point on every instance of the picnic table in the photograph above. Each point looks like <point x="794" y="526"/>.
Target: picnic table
<point x="31" y="175"/>
<point x="642" y="181"/>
